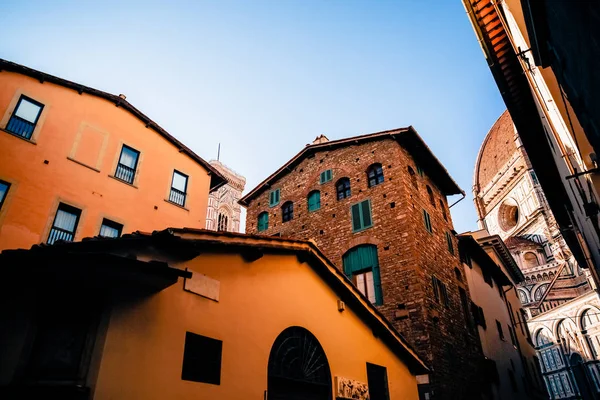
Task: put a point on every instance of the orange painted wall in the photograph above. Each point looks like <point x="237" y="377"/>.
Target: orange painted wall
<point x="143" y="350"/>
<point x="37" y="188"/>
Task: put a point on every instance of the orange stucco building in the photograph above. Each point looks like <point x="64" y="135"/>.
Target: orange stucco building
<point x="78" y="162"/>
<point x="194" y="314"/>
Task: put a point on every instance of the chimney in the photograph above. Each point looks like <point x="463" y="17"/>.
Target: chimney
<point x="123" y="96"/>
<point x="320" y="139"/>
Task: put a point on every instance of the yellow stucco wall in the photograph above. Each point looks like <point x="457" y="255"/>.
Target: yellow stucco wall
<point x="143" y="351"/>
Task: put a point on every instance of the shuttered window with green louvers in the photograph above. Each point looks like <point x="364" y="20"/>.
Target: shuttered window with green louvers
<point x="361" y="216"/>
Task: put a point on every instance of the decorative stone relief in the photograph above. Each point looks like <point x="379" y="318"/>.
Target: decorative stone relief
<point x="350" y="389"/>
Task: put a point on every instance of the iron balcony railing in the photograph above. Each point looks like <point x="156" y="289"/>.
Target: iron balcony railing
<point x="20" y="127"/>
<point x="177" y="197"/>
<point x="59" y="234"/>
<point x="125" y="173"/>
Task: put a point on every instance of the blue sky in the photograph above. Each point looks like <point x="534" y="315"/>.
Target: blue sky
<point x="264" y="78"/>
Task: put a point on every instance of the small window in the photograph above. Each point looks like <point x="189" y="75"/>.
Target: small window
<point x="443" y="210"/>
<point x="25" y="117"/>
<point x="110" y="229"/>
<point x="361" y="216"/>
<point x="427" y="221"/>
<point x="287" y="211"/>
<point x="4" y="186"/>
<point x="178" y="188"/>
<point x="478" y="315"/>
<point x="127" y="164"/>
<point x="263" y="221"/>
<point x="440" y="291"/>
<point x="449" y="242"/>
<point x="326" y="176"/>
<point x="500" y="331"/>
<point x="413" y="177"/>
<point x="431" y="198"/>
<point x="419" y="170"/>
<point x="375" y="175"/>
<point x="513" y="335"/>
<point x="222" y="222"/>
<point x="342" y="188"/>
<point x="314" y="200"/>
<point x="274" y="198"/>
<point x="464" y="302"/>
<point x="378" y="382"/>
<point x="65" y="224"/>
<point x="202" y="359"/>
<point x="458" y="274"/>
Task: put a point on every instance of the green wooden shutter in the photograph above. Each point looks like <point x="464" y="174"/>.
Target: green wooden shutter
<point x="263" y="221"/>
<point x="427" y="221"/>
<point x="314" y="201"/>
<point x="322" y="177"/>
<point x="366" y="214"/>
<point x="356" y="221"/>
<point x="364" y="257"/>
<point x="274" y="198"/>
<point x="329" y="175"/>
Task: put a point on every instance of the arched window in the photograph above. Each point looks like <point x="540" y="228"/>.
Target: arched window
<point x="545" y="276"/>
<point x="223" y="222"/>
<point x="413" y="177"/>
<point x="443" y="210"/>
<point x="589" y="318"/>
<point x="551" y="275"/>
<point x="523" y="296"/>
<point x="314" y="200"/>
<point x="361" y="265"/>
<point x="533" y="279"/>
<point x="539" y="292"/>
<point x="543" y="338"/>
<point x="342" y="188"/>
<point x="263" y="221"/>
<point x="458" y="274"/>
<point x="530" y="260"/>
<point x="375" y="175"/>
<point x="287" y="211"/>
<point x="298" y="367"/>
<point x="430" y="194"/>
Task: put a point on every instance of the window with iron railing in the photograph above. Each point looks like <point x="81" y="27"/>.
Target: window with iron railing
<point x="65" y="224"/>
<point x="23" y="120"/>
<point x="178" y="188"/>
<point x="127" y="164"/>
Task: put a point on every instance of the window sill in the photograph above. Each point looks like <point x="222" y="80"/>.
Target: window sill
<point x="122" y="181"/>
<point x="18" y="137"/>
<point x="83" y="165"/>
<point x="176" y="205"/>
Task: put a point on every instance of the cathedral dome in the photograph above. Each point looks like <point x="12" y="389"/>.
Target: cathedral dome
<point x="497" y="148"/>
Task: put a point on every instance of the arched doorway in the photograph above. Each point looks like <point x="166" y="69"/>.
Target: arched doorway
<point x="582" y="378"/>
<point x="298" y="367"/>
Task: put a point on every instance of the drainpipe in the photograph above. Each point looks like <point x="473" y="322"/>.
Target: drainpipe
<point x="457" y="201"/>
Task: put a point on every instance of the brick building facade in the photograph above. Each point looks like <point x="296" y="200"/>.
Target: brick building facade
<point x="382" y="202"/>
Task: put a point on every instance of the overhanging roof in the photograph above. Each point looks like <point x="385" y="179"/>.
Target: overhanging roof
<point x="483" y="259"/>
<point x="216" y="178"/>
<point x="407" y="137"/>
<point x="187" y="243"/>
<point x="507" y="259"/>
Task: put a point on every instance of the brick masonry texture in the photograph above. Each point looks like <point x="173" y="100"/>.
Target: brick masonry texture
<point x="408" y="255"/>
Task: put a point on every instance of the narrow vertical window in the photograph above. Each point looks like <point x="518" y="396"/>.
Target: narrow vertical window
<point x="222" y="222"/>
<point x="65" y="224"/>
<point x="178" y="188"/>
<point x="274" y="198"/>
<point x="378" y="382"/>
<point x="449" y="242"/>
<point x="23" y="120"/>
<point x="464" y="302"/>
<point x="314" y="200"/>
<point x="443" y="210"/>
<point x="287" y="211"/>
<point x="413" y="177"/>
<point x="263" y="221"/>
<point x="431" y="198"/>
<point x="427" y="221"/>
<point x="500" y="331"/>
<point x="110" y="229"/>
<point x="4" y="186"/>
<point x="342" y="188"/>
<point x="375" y="175"/>
<point x="361" y="216"/>
<point x="419" y="170"/>
<point x="127" y="164"/>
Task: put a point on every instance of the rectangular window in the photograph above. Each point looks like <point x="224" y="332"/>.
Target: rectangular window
<point x="440" y="291"/>
<point x="427" y="221"/>
<point x="26" y="115"/>
<point x="110" y="229"/>
<point x="513" y="335"/>
<point x="178" y="188"/>
<point x="326" y="176"/>
<point x="478" y="315"/>
<point x="65" y="223"/>
<point x="274" y="198"/>
<point x="365" y="283"/>
<point x="449" y="242"/>
<point x="127" y="164"/>
<point x="419" y="170"/>
<point x="361" y="216"/>
<point x="500" y="331"/>
<point x="4" y="186"/>
<point x="464" y="302"/>
<point x="202" y="359"/>
<point x="378" y="382"/>
<point x="263" y="221"/>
